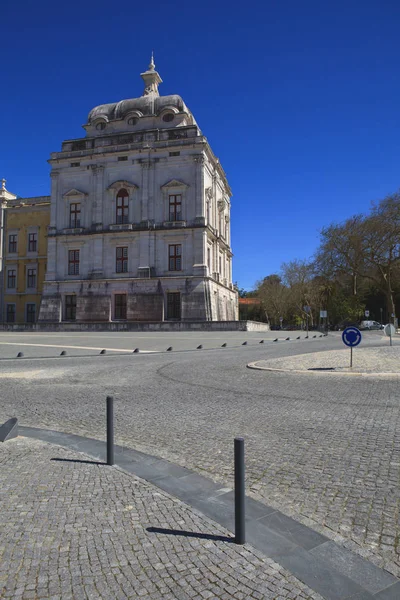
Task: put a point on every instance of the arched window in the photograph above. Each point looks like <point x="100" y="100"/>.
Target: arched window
<point x="122" y="206"/>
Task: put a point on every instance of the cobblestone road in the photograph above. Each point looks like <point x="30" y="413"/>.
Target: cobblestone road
<point x="323" y="450"/>
<point x="78" y="530"/>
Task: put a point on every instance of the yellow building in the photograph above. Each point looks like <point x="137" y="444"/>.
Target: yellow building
<point x="25" y="222"/>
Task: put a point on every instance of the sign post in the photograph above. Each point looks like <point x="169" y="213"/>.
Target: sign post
<point x="367" y="313"/>
<point x="351" y="337"/>
<point x="389" y="330"/>
<point x="323" y="314"/>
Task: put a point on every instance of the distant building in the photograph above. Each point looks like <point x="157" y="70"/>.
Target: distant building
<point x="24" y="251"/>
<point x="140" y="218"/>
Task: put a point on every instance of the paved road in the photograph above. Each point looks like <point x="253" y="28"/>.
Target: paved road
<point x="80" y="530"/>
<point x="325" y="452"/>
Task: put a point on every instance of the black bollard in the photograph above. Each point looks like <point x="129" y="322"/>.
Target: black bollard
<point x="20" y="355"/>
<point x="199" y="347"/>
<point x="136" y="351"/>
<point x="110" y="430"/>
<point x="240" y="535"/>
<point x="261" y="342"/>
<point x="244" y="344"/>
<point x="223" y="345"/>
<point x="169" y="349"/>
<point x="63" y="353"/>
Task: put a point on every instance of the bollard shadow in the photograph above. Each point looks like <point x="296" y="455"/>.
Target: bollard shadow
<point x="77" y="460"/>
<point x="192" y="534"/>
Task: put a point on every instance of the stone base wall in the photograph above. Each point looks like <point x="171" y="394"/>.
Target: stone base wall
<point x="202" y="299"/>
<point x="166" y="326"/>
<point x="145" y="307"/>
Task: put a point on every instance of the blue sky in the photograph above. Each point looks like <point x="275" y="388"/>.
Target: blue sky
<point x="299" y="100"/>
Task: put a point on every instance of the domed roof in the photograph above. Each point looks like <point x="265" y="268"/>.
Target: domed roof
<point x="147" y="105"/>
<point x="150" y="103"/>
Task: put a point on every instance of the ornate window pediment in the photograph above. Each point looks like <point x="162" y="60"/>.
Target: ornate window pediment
<point x="174" y="183"/>
<point x="222" y="204"/>
<point x="74" y="193"/>
<point x="122" y="183"/>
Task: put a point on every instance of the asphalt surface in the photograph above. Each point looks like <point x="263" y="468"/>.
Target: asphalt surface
<point x="325" y="452"/>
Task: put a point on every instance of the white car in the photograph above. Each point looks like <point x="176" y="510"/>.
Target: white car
<point x="371" y="325"/>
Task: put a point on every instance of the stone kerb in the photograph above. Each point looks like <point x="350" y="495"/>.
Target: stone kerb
<point x="367" y="362"/>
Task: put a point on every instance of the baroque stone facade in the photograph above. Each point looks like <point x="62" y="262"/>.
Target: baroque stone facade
<point x="140" y="218"/>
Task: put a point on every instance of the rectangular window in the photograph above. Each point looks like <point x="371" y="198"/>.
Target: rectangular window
<point x="75" y="164"/>
<point x="122" y="158"/>
<point x="12" y="243"/>
<point x="73" y="262"/>
<point x="175" y="207"/>
<point x="10" y="313"/>
<point x="174" y="305"/>
<point x="11" y="279"/>
<point x="174" y="153"/>
<point x="208" y="258"/>
<point x="32" y="242"/>
<point x="74" y="215"/>
<point x="70" y="307"/>
<point x="122" y="259"/>
<point x="122" y="209"/>
<point x="31" y="278"/>
<point x="31" y="313"/>
<point x="120" y="306"/>
<point x="175" y="256"/>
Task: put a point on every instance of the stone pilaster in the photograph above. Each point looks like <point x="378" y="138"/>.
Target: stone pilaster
<point x="199" y="161"/>
<point x="55" y="200"/>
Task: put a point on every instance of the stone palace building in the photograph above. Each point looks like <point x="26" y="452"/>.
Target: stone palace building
<point x="139" y="219"/>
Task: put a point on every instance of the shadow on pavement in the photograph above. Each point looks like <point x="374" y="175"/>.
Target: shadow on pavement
<point x="193" y="534"/>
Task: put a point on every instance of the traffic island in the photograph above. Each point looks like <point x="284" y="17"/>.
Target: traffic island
<point x="367" y="362"/>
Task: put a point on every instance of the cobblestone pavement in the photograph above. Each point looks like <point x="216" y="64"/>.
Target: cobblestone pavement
<point x="323" y="450"/>
<point x="383" y="360"/>
<point x="78" y="530"/>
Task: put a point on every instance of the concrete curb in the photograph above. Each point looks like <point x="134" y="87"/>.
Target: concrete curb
<point x="331" y="570"/>
<point x="257" y="367"/>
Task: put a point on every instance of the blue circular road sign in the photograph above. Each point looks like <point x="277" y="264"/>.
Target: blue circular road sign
<point x="351" y="336"/>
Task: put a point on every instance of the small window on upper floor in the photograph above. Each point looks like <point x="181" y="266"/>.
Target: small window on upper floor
<point x="100" y="126"/>
<point x="122" y="207"/>
<point x="120" y="158"/>
<point x="168" y="117"/>
<point x="75" y="164"/>
<point x="12" y="243"/>
<point x="174" y="153"/>
<point x="32" y="242"/>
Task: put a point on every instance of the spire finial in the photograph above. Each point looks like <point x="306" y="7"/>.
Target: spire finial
<point x="3" y="184"/>
<point x="151" y="79"/>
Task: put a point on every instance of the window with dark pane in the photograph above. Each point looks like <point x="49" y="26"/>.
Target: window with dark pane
<point x="122" y="207"/>
<point x="175" y="207"/>
<point x="70" y="307"/>
<point x="31" y="313"/>
<point x="73" y="262"/>
<point x="32" y="242"/>
<point x="75" y="215"/>
<point x="11" y="278"/>
<point x="10" y="313"/>
<point x="175" y="257"/>
<point x="12" y="243"/>
<point x="120" y="306"/>
<point x="122" y="259"/>
<point x="174" y="305"/>
<point x="31" y="278"/>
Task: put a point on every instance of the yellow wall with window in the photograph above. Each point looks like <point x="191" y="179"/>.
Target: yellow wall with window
<point x="25" y="257"/>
